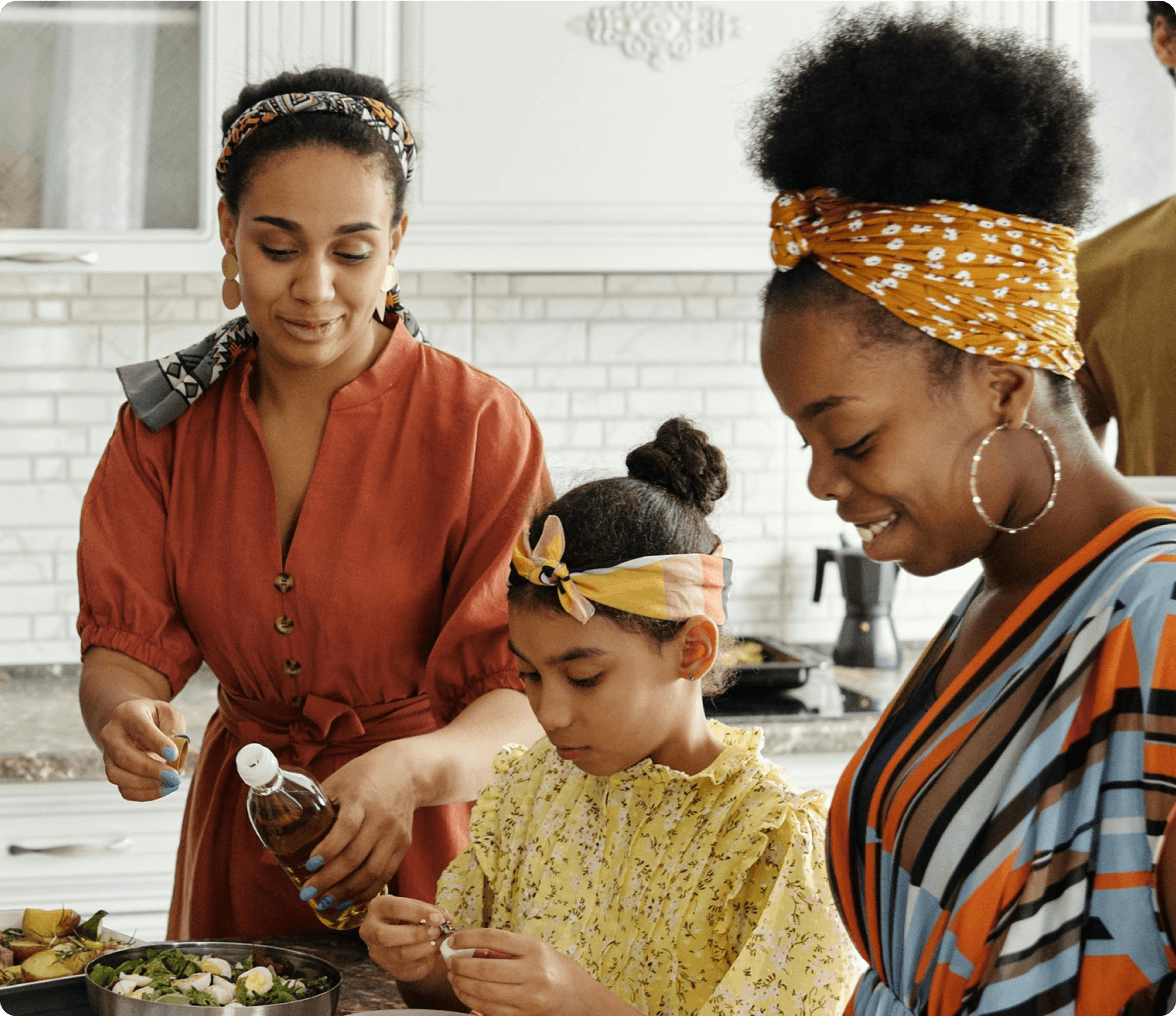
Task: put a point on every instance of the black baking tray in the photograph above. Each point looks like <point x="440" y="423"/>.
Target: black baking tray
<point x="41" y="999"/>
<point x="764" y="687"/>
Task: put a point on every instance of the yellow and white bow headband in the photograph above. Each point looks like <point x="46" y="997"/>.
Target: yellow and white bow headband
<point x="671" y="587"/>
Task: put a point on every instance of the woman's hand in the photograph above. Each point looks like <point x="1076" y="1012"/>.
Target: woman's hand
<point x="533" y="980"/>
<point x="371" y="834"/>
<point x="127" y="709"/>
<point x="402" y="936"/>
<point x="137" y="743"/>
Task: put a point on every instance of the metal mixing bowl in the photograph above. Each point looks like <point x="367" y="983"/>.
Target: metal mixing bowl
<point x="107" y="1003"/>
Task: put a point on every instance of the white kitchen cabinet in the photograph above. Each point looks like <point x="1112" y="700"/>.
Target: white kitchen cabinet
<point x="134" y="885"/>
<point x="555" y="136"/>
<point x="104" y="87"/>
<point x="587" y="136"/>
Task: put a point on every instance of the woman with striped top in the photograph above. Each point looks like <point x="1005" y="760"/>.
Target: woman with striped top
<point x="996" y="845"/>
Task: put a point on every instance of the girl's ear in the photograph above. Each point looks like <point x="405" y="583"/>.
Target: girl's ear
<point x="700" y="642"/>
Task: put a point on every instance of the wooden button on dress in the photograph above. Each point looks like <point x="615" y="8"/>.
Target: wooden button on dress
<point x="284" y="625"/>
<point x="284" y="583"/>
<point x="292" y="668"/>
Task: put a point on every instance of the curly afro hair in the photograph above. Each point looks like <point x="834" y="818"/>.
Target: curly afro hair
<point x="905" y="107"/>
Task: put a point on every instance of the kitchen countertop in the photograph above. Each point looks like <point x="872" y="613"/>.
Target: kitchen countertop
<point x="365" y="986"/>
<point x="42" y="736"/>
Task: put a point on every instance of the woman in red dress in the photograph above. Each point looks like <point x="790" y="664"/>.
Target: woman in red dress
<point x="320" y="507"/>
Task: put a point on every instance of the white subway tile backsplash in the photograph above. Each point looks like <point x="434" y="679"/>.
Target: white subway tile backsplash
<point x="16" y="310"/>
<point x="26" y="409"/>
<point x="603" y="405"/>
<point x="600" y="360"/>
<point x="201" y="284"/>
<point x="71" y="346"/>
<point x="665" y="342"/>
<point x="680" y="284"/>
<point x="444" y="284"/>
<point x="165" y="284"/>
<point x="43" y="283"/>
<point x="49" y="468"/>
<point x="557" y="285"/>
<point x="91" y="310"/>
<point x="41" y="441"/>
<point x="171" y="308"/>
<point x="16" y="629"/>
<point x="573" y="378"/>
<point x="117" y="284"/>
<point x="530" y="342"/>
<point x="51" y="310"/>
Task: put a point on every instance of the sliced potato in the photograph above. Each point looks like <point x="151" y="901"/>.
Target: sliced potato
<point x="5" y="955"/>
<point x="44" y="966"/>
<point x="76" y="960"/>
<point x="10" y="974"/>
<point x="23" y="948"/>
<point x="49" y="924"/>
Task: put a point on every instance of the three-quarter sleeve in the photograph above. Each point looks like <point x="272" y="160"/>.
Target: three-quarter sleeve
<point x="789" y="952"/>
<point x="127" y="598"/>
<point x="507" y="482"/>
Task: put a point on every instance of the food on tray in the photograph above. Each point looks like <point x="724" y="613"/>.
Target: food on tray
<point x="51" y="943"/>
<point x="745" y="653"/>
<point x="178" y="978"/>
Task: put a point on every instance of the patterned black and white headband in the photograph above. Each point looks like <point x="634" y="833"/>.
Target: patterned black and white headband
<point x="374" y="113"/>
<point x="160" y="390"/>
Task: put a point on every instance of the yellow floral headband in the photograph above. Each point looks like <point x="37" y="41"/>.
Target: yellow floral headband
<point x="673" y="587"/>
<point x="999" y="285"/>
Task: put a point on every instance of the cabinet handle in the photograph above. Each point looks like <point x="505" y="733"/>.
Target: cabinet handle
<point x="45" y="257"/>
<point x="122" y="843"/>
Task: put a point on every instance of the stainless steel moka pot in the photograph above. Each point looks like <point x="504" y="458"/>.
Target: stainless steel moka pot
<point x="867" y="637"/>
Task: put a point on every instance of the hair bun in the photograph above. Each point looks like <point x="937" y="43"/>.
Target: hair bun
<point x="681" y="461"/>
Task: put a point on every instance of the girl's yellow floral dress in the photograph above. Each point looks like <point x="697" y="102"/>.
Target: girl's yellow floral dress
<point x="700" y="894"/>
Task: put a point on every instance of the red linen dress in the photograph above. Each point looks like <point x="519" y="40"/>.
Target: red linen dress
<point x="386" y="619"/>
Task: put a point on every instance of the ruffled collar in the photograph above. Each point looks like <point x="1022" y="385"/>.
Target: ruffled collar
<point x="739" y="746"/>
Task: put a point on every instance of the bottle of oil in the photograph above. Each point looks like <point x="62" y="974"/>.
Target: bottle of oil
<point x="291" y="814"/>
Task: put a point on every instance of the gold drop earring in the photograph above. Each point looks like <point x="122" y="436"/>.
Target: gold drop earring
<point x="231" y="289"/>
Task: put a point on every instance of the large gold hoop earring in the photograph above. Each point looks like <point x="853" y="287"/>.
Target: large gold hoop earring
<point x="1053" y="490"/>
<point x="231" y="289"/>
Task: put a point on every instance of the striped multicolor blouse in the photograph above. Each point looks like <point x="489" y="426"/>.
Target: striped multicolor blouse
<point x="1000" y="860"/>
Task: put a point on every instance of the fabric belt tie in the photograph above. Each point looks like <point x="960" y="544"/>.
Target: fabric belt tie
<point x="323" y="725"/>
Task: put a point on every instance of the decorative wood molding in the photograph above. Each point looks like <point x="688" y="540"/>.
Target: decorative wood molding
<point x="657" y="31"/>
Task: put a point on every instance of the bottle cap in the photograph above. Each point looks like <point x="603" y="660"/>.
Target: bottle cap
<point x="256" y="764"/>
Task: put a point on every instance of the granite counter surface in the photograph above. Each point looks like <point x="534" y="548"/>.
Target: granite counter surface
<point x="42" y="736"/>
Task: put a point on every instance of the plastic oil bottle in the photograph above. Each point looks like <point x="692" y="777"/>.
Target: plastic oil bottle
<point x="291" y="814"/>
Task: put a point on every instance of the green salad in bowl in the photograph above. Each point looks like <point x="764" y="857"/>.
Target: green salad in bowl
<point x="212" y="975"/>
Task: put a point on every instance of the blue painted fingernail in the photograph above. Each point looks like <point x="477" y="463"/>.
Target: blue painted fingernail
<point x="314" y="863"/>
<point x="167" y="788"/>
<point x="308" y="893"/>
<point x="169" y="778"/>
<point x="344" y="905"/>
<point x="170" y="753"/>
<point x="326" y="901"/>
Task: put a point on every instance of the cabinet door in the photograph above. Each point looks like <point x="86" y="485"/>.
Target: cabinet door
<point x="582" y="136"/>
<point x="111" y="131"/>
<point x="579" y="136"/>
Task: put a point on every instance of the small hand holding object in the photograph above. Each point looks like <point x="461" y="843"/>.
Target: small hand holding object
<point x="517" y="975"/>
<point x="402" y="936"/>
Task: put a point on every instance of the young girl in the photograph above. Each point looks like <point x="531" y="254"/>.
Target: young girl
<point x="638" y="859"/>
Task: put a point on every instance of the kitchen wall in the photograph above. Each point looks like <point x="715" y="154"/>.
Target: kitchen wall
<point x="600" y="359"/>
